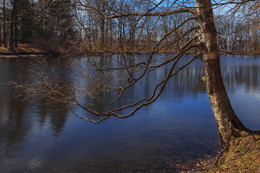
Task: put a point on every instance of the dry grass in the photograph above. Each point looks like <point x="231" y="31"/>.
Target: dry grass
<point x="239" y="52"/>
<point x="243" y="156"/>
<point x="21" y="49"/>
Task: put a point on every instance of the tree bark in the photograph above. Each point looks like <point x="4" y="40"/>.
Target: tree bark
<point x="11" y="42"/>
<point x="4" y="27"/>
<point x="15" y="24"/>
<point x="227" y="122"/>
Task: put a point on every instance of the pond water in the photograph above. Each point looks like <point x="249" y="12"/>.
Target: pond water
<point x="177" y="129"/>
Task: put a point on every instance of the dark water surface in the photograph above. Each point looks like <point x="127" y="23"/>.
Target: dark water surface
<point x="177" y="129"/>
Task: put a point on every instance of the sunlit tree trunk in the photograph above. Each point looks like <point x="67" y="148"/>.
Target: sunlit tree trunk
<point x="227" y="122"/>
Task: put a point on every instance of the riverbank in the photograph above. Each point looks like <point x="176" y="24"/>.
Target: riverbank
<point x="243" y="156"/>
<point x="166" y="51"/>
<point x="239" y="52"/>
<point x="29" y="51"/>
<point x="24" y="51"/>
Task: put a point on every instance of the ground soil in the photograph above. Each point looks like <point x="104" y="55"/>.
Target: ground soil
<point x="242" y="157"/>
<point x="24" y="50"/>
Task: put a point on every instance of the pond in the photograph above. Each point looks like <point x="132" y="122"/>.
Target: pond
<point x="167" y="135"/>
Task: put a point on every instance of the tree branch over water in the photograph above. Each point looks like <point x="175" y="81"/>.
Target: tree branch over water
<point x="181" y="27"/>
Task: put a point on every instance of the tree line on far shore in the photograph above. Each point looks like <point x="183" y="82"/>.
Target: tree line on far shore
<point x="85" y="25"/>
<point x="43" y="23"/>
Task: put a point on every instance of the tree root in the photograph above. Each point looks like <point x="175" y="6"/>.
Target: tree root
<point x="235" y="142"/>
<point x="220" y="158"/>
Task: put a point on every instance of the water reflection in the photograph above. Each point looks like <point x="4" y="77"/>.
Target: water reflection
<point x="15" y="124"/>
<point x="16" y="119"/>
<point x="244" y="73"/>
<point x="242" y="76"/>
<point x="55" y="114"/>
<point x="40" y="136"/>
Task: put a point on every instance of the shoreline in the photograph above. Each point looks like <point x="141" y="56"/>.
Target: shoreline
<point x="8" y="55"/>
<point x="242" y="156"/>
<point x="27" y="55"/>
<point x="238" y="52"/>
<point x="221" y="52"/>
<point x="25" y="51"/>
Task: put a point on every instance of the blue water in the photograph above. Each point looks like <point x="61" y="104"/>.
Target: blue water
<point x="177" y="129"/>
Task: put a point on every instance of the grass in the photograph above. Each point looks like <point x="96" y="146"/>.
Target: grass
<point x="21" y="49"/>
<point x="243" y="156"/>
<point x="248" y="52"/>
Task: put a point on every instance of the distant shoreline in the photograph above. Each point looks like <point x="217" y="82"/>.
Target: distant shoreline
<point x="27" y="55"/>
<point x="221" y="52"/>
<point x="25" y="51"/>
<point x="238" y="52"/>
<point x="31" y="52"/>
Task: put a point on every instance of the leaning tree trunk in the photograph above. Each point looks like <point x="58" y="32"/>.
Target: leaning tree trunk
<point x="227" y="122"/>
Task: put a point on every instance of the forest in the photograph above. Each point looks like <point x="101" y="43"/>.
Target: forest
<point x="87" y="25"/>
